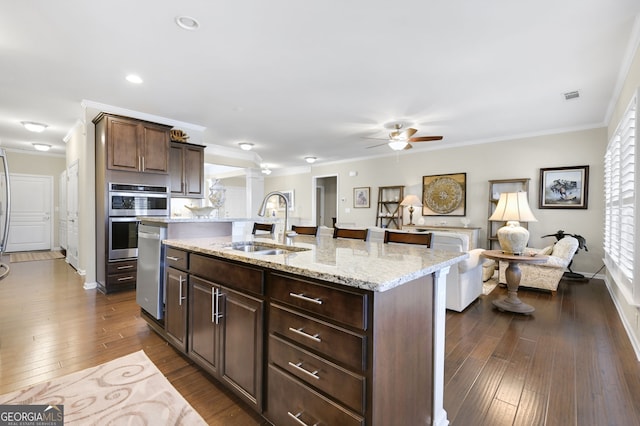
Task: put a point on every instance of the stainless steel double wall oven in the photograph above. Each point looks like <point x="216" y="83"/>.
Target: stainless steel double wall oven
<point x="127" y="202"/>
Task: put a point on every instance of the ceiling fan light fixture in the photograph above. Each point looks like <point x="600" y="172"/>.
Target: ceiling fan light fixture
<point x="246" y="146"/>
<point x="398" y="145"/>
<point x="32" y="126"/>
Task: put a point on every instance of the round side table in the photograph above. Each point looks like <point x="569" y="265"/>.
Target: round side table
<point x="512" y="303"/>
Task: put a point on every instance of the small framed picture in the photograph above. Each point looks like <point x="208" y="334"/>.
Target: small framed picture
<point x="289" y="195"/>
<point x="564" y="187"/>
<point x="361" y="197"/>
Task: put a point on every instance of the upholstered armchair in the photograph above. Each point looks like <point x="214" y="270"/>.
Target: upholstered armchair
<point x="547" y="275"/>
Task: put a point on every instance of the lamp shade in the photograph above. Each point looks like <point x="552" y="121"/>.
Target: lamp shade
<point x="513" y="208"/>
<point x="411" y="200"/>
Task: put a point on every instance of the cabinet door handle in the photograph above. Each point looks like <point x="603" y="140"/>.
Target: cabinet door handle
<point x="214" y="304"/>
<point x="298" y="366"/>
<point x="299" y="332"/>
<point x="175" y="259"/>
<point x="301" y="296"/>
<point x="216" y="294"/>
<point x="180" y="297"/>
<point x="296" y="417"/>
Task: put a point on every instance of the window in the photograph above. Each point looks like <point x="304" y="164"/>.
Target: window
<point x="620" y="204"/>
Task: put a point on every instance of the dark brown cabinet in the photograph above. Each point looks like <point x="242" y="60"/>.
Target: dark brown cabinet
<point x="175" y="315"/>
<point x="226" y="325"/>
<point x="330" y="354"/>
<point x="134" y="145"/>
<point x="317" y="345"/>
<point x="186" y="167"/>
<point x="121" y="275"/>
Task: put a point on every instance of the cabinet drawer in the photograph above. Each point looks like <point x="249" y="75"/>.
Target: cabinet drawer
<point x="124" y="281"/>
<point x="227" y="273"/>
<point x="346" y="387"/>
<point x="122" y="267"/>
<point x="178" y="259"/>
<point x="337" y="344"/>
<point x="289" y="398"/>
<point x="339" y="305"/>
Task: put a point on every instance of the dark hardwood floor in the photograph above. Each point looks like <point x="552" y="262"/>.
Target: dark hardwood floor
<point x="570" y="363"/>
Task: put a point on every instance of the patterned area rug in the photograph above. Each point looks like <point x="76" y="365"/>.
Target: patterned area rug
<point x="126" y="391"/>
<point x="28" y="256"/>
<point x="488" y="286"/>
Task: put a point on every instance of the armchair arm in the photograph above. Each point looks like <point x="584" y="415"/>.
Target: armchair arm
<point x="472" y="261"/>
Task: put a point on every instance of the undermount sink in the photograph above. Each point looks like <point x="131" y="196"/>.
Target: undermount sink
<point x="257" y="249"/>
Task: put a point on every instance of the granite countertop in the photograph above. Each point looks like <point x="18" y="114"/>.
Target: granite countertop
<point x="188" y="219"/>
<point x="372" y="266"/>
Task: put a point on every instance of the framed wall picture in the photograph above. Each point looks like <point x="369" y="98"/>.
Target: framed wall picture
<point x="564" y="187"/>
<point x="444" y="195"/>
<point x="361" y="197"/>
<point x="289" y="195"/>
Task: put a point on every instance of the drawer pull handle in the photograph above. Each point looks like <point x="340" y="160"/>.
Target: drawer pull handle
<point x="299" y="331"/>
<point x="298" y="367"/>
<point x="175" y="259"/>
<point x="306" y="299"/>
<point x="125" y="278"/>
<point x="296" y="418"/>
<point x="120" y="268"/>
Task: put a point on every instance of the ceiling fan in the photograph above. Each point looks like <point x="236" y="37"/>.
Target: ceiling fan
<point x="401" y="139"/>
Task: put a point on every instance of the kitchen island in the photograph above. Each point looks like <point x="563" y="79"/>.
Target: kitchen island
<point x="314" y="329"/>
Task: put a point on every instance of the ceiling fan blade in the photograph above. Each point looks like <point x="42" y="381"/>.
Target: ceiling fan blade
<point x="375" y="146"/>
<point x="409" y="146"/>
<point x="425" y="139"/>
<point x="410" y="132"/>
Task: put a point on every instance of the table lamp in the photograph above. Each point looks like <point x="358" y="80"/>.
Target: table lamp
<point x="411" y="200"/>
<point x="513" y="208"/>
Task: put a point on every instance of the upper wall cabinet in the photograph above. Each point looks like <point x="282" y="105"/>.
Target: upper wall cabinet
<point x="135" y="145"/>
<point x="186" y="167"/>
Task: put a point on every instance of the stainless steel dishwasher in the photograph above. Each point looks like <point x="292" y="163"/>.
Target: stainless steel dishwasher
<point x="150" y="281"/>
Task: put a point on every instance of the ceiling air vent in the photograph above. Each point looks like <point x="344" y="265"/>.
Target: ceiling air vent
<point x="571" y="95"/>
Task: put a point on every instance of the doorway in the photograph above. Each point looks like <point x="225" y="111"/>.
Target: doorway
<point x="325" y="200"/>
<point x="31" y="213"/>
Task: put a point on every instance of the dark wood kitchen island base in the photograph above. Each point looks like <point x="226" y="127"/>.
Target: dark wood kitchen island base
<point x="300" y="350"/>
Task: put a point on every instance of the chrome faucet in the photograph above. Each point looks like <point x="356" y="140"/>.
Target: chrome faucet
<point x="263" y="210"/>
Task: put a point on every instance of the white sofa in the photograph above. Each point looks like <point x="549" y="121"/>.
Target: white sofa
<point x="547" y="275"/>
<point x="464" y="280"/>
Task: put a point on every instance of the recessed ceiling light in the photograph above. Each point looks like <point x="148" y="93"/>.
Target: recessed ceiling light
<point x="246" y="146"/>
<point x="33" y="126"/>
<point x="310" y="160"/>
<point x="135" y="79"/>
<point x="41" y="146"/>
<point x="187" y="23"/>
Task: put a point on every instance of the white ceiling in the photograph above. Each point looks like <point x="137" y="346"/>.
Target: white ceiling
<point x="300" y="78"/>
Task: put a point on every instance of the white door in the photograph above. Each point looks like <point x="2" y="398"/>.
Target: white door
<point x="31" y="213"/>
<point x="62" y="210"/>
<point x="72" y="215"/>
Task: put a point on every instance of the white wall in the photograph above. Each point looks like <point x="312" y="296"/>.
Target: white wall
<point x="518" y="158"/>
